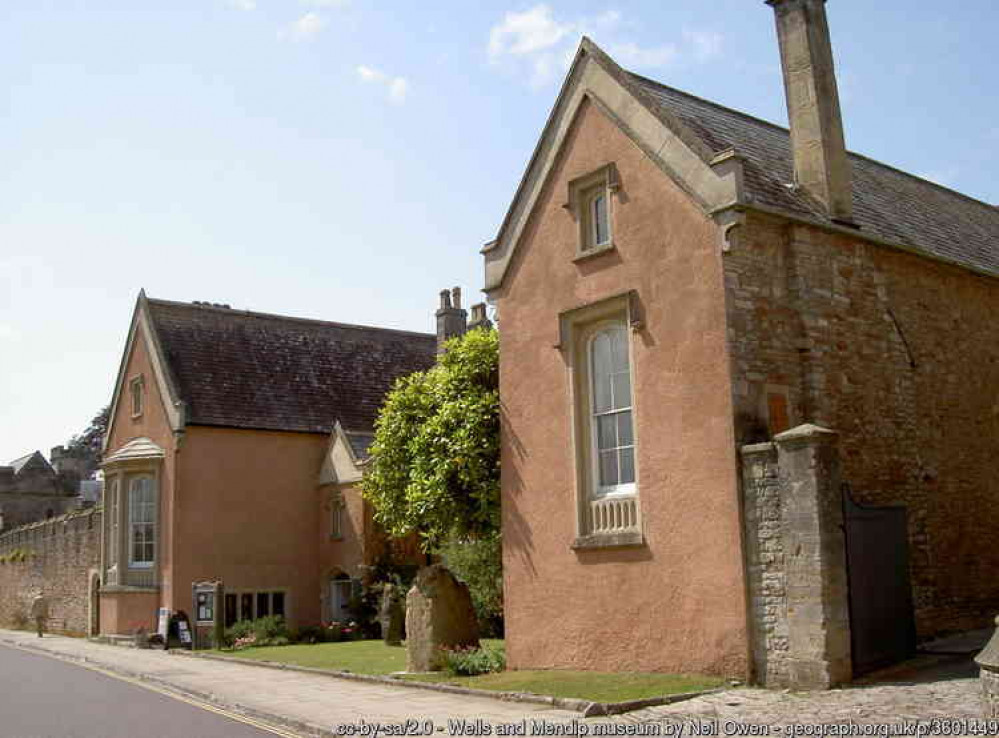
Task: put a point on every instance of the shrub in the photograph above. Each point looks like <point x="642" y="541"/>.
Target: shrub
<point x="435" y="460"/>
<point x="268" y="631"/>
<point x="473" y="661"/>
<point x="308" y="634"/>
<point x="479" y="563"/>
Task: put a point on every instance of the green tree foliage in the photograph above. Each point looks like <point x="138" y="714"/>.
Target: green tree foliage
<point x="88" y="444"/>
<point x="435" y="458"/>
<point x="479" y="563"/>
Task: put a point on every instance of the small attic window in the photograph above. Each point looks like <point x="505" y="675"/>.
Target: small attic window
<point x="137" y="390"/>
<point x="597" y="226"/>
<point x="589" y="202"/>
<point x="336" y="515"/>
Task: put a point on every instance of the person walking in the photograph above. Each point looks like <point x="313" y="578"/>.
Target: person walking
<point x="40" y="612"/>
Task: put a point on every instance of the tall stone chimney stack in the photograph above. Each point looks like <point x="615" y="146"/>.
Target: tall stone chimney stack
<point x="451" y="319"/>
<point x="821" y="166"/>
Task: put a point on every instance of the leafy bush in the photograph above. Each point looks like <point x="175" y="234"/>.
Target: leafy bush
<point x="308" y="634"/>
<point x="435" y="460"/>
<point x="473" y="661"/>
<point x="332" y="632"/>
<point x="268" y="631"/>
<point x="17" y="556"/>
<point x="479" y="563"/>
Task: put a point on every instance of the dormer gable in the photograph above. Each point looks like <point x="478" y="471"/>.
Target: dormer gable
<point x="345" y="457"/>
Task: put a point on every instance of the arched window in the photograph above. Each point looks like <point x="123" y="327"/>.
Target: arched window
<point x="341" y="590"/>
<point x="336" y="515"/>
<point x="611" y="423"/>
<point x="597" y="218"/>
<point x="141" y="522"/>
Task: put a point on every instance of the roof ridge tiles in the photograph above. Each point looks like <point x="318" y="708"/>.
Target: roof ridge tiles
<point x="289" y="318"/>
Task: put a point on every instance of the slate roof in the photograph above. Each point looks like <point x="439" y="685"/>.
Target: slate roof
<point x="36" y="456"/>
<point x="242" y="369"/>
<point x="360" y="443"/>
<point x="889" y="204"/>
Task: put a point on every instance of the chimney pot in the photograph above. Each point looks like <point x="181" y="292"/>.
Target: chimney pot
<point x="478" y="317"/>
<point x="451" y="319"/>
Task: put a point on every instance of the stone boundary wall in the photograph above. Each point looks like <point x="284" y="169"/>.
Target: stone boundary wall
<point x="766" y="579"/>
<point x="58" y="555"/>
<point x="796" y="561"/>
<point x="901" y="354"/>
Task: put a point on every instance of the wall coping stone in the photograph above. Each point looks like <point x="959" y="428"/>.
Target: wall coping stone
<point x="759" y="448"/>
<point x="805" y="433"/>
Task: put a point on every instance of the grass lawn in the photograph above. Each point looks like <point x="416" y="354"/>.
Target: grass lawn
<point x="360" y="657"/>
<point x="374" y="657"/>
<point x="587" y="685"/>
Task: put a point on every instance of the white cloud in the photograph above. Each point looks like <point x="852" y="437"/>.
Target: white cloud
<point x="543" y="44"/>
<point x="242" y="4"/>
<point x="706" y="45"/>
<point x="529" y="32"/>
<point x="304" y="28"/>
<point x="396" y="87"/>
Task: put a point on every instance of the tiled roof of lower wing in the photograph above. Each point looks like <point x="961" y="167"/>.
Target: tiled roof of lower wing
<point x="889" y="204"/>
<point x="242" y="369"/>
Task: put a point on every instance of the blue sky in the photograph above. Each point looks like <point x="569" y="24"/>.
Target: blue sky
<point x="346" y="159"/>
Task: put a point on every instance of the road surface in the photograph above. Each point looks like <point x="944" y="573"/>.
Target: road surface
<point x="43" y="697"/>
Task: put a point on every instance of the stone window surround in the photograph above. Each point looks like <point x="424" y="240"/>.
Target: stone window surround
<point x="118" y="476"/>
<point x="137" y="392"/>
<point x="575" y="328"/>
<point x="337" y="507"/>
<point x="592" y="332"/>
<point x="581" y="192"/>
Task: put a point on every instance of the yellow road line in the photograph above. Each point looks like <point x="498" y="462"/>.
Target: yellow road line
<point x="174" y="695"/>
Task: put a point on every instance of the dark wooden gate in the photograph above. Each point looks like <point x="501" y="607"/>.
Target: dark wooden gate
<point x="882" y="625"/>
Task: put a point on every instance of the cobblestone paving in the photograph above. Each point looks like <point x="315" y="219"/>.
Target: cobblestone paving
<point x="926" y="690"/>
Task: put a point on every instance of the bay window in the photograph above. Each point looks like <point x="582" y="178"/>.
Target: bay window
<point x="141" y="522"/>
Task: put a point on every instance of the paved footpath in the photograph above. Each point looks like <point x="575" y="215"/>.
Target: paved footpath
<point x="932" y="688"/>
<point x="928" y="689"/>
<point x="285" y="697"/>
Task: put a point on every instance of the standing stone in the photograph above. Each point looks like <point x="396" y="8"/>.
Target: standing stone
<point x="439" y="613"/>
<point x="988" y="660"/>
<point x="392" y="616"/>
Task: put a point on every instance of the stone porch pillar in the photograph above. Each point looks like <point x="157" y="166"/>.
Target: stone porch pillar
<point x="818" y="617"/>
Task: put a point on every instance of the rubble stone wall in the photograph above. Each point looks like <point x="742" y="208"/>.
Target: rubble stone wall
<point x="55" y="558"/>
